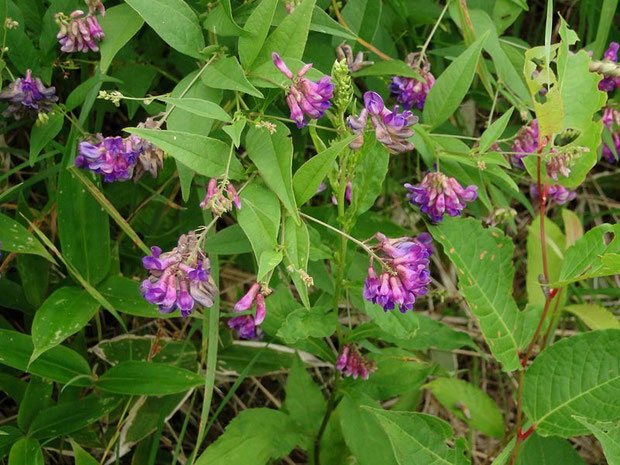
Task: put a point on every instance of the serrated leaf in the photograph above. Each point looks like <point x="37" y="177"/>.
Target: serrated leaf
<point x="494" y="131"/>
<point x="199" y="107"/>
<point x="483" y="261"/>
<point x="26" y="451"/>
<point x="120" y="24"/>
<point x="228" y="74"/>
<point x="258" y="25"/>
<point x="575" y="376"/>
<point x="594" y="316"/>
<point x="304" y="401"/>
<point x="43" y="134"/>
<point x="15" y="238"/>
<point x="389" y="68"/>
<point x="303" y="323"/>
<point x="608" y="434"/>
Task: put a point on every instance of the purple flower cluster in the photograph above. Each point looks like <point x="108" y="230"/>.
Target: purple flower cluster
<point x="179" y="278"/>
<point x="410" y="92"/>
<point x="525" y="143"/>
<point x="79" y="32"/>
<point x="407" y="275"/>
<point x="248" y="326"/>
<point x="28" y="96"/>
<point x="392" y="129"/>
<point x="305" y="96"/>
<point x="611" y="120"/>
<point x="351" y="363"/>
<point x="112" y="157"/>
<point x="557" y="193"/>
<point x="609" y="83"/>
<point x="438" y="194"/>
<point x="220" y="199"/>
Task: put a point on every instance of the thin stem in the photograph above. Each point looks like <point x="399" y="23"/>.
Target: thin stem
<point x="543" y="200"/>
<point x="432" y="33"/>
<point x="519" y="419"/>
<point x="331" y="404"/>
<point x="553" y="320"/>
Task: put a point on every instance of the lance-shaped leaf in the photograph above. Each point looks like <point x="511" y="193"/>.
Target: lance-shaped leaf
<point x="483" y="261"/>
<point x="199" y="107"/>
<point x="575" y="376"/>
<point x="258" y="25"/>
<point x="297" y="253"/>
<point x="608" y="434"/>
<point x="594" y="316"/>
<point x="228" y="74"/>
<point x="16" y="238"/>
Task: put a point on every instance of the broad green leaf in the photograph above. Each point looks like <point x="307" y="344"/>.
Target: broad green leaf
<point x="297" y="253"/>
<point x="67" y="417"/>
<point x="60" y="363"/>
<point x="175" y="22"/>
<point x="26" y="451"/>
<point x="12" y="386"/>
<point x="363" y="18"/>
<point x="258" y="25"/>
<point x="124" y="295"/>
<point x="303" y="323"/>
<point x="43" y="134"/>
<point x="267" y="261"/>
<point x="15" y="238"/>
<point x="572" y="227"/>
<point x="322" y="22"/>
<point x="575" y="376"/>
<point x="470" y="404"/>
<point x="451" y="86"/>
<point x="371" y="171"/>
<point x="399" y="325"/>
<point x="38" y="396"/>
<point x="594" y="316"/>
<point x="228" y="74"/>
<point x="539" y="450"/>
<point x="309" y="176"/>
<point x="289" y="38"/>
<point x="254" y="436"/>
<point x="494" y="131"/>
<point x="584" y="259"/>
<point x="273" y="156"/>
<point x="390" y="68"/>
<point x="608" y="434"/>
<point x="9" y="435"/>
<point x="483" y="261"/>
<point x="199" y="107"/>
<point x="147" y="379"/>
<point x="202" y="154"/>
<point x="420" y="439"/>
<point x="237" y="358"/>
<point x="304" y="400"/>
<point x="228" y="241"/>
<point x="120" y="24"/>
<point x="83" y="229"/>
<point x="228" y="10"/>
<point x="81" y="456"/>
<point x="64" y="313"/>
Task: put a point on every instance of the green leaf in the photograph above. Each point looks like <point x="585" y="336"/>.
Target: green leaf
<point x="584" y="259"/>
<point x="81" y="456"/>
<point x="309" y="176"/>
<point x="9" y="435"/>
<point x="175" y="22"/>
<point x="147" y="379"/>
<point x="273" y="156"/>
<point x="26" y="451"/>
<point x="325" y="24"/>
<point x="235" y="130"/>
<point x="389" y="68"/>
<point x="420" y="439"/>
<point x="297" y="253"/>
<point x="539" y="450"/>
<point x="494" y="131"/>
<point x="83" y="229"/>
<point x="258" y="26"/>
<point x="60" y="363"/>
<point x="268" y="260"/>
<point x="64" y="313"/>
<point x="608" y="434"/>
<point x="199" y="107"/>
<point x="304" y="400"/>
<point x="289" y="38"/>
<point x="606" y="18"/>
<point x="67" y="417"/>
<point x="470" y="404"/>
<point x="575" y="376"/>
<point x="228" y="10"/>
<point x="403" y="326"/>
<point x="124" y="295"/>
<point x="43" y="134"/>
<point x="228" y="74"/>
<point x="594" y="316"/>
<point x="450" y="88"/>
<point x="267" y="75"/>
<point x="204" y="155"/>
<point x="120" y="24"/>
<point x="363" y="18"/>
<point x="303" y="323"/>
<point x="254" y="436"/>
<point x="38" y="397"/>
<point x="572" y="226"/>
<point x="16" y="238"/>
<point x="483" y="261"/>
<point x="228" y="241"/>
<point x="371" y="171"/>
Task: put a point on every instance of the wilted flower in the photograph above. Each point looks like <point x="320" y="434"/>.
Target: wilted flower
<point x="345" y="52"/>
<point x="557" y="193"/>
<point x="248" y="326"/>
<point x="407" y="275"/>
<point x="609" y="83"/>
<point x="351" y="363"/>
<point x="525" y="143"/>
<point x="28" y="96"/>
<point x="151" y="159"/>
<point x="180" y="278"/>
<point x="220" y="198"/>
<point x="611" y="120"/>
<point x="112" y="157"/>
<point x="95" y="5"/>
<point x="392" y="129"/>
<point x="78" y="32"/>
<point x="305" y="96"/>
<point x="410" y="92"/>
<point x="438" y="194"/>
<point x="559" y="163"/>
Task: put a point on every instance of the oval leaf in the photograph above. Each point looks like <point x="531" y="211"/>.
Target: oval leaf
<point x="120" y="24"/>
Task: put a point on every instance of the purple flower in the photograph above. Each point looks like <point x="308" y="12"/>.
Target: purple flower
<point x="28" y="96"/>
<point x="406" y="276"/>
<point x="525" y="143"/>
<point x="611" y="120"/>
<point x="559" y="164"/>
<point x="351" y="363"/>
<point x="248" y="326"/>
<point x="78" y="32"/>
<point x="220" y="199"/>
<point x="609" y="83"/>
<point x="392" y="129"/>
<point x="305" y="97"/>
<point x="180" y="278"/>
<point x="411" y="92"/>
<point x="438" y="194"/>
<point x="112" y="157"/>
<point x="556" y="193"/>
